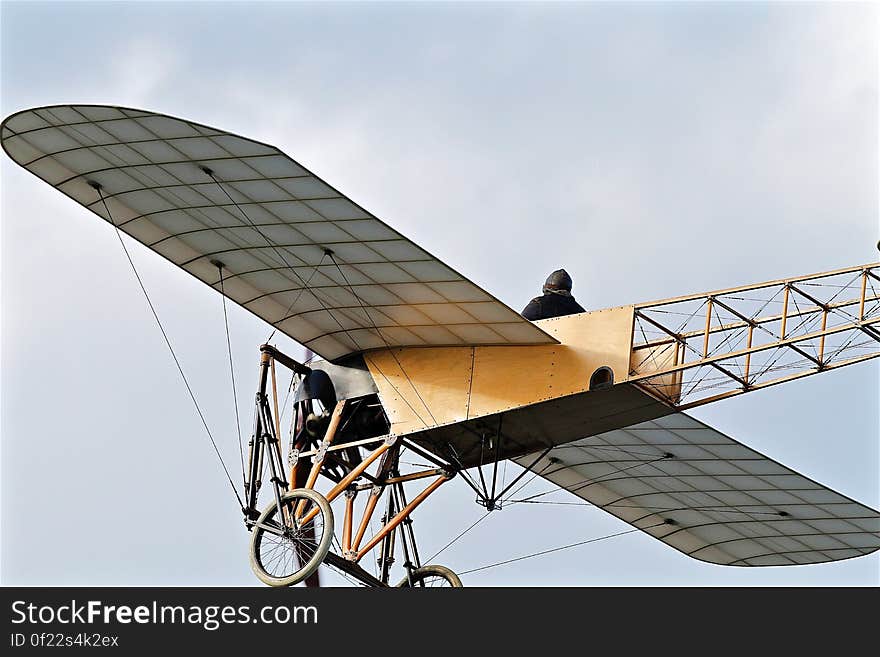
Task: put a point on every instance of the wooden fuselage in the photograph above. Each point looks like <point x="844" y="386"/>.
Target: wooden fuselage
<point x="540" y="394"/>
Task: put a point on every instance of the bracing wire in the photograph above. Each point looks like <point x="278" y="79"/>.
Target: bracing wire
<point x="275" y="247"/>
<point x="189" y="389"/>
<point x="232" y="376"/>
<point x="381" y="336"/>
<point x="450" y="543"/>
<point x="543" y="552"/>
<point x="297" y="298"/>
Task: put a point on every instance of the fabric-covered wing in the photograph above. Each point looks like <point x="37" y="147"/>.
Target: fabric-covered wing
<point x="294" y="251"/>
<point x="711" y="497"/>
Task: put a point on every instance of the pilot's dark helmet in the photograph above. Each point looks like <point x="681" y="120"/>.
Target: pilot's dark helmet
<point x="558" y="280"/>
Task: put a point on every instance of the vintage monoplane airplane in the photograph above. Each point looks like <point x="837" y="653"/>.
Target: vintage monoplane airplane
<point x="416" y="358"/>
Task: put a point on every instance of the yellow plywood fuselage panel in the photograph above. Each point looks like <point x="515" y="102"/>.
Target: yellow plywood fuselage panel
<point x="423" y="387"/>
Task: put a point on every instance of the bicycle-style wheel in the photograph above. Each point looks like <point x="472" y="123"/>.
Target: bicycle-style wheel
<point x="288" y="547"/>
<point x="431" y="577"/>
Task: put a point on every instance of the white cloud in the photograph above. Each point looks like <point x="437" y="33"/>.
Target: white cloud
<point x="142" y="69"/>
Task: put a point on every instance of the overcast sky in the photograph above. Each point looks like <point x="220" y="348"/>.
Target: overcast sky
<point x="650" y="149"/>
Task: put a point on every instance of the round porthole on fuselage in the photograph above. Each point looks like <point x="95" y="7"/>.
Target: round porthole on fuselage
<point x="602" y="379"/>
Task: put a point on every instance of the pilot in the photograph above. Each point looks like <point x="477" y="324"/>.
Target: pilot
<point x="556" y="300"/>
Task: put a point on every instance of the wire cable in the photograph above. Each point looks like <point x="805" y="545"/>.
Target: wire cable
<point x="192" y="396"/>
<point x="381" y="337"/>
<point x="275" y="247"/>
<point x="232" y="376"/>
<point x="557" y="549"/>
<point x="441" y="550"/>
<point x="286" y="314"/>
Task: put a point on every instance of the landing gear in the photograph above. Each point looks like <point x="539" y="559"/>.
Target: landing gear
<point x="431" y="577"/>
<point x="292" y="537"/>
<point x="289" y="546"/>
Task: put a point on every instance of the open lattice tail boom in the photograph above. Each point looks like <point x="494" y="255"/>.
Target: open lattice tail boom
<point x="697" y="349"/>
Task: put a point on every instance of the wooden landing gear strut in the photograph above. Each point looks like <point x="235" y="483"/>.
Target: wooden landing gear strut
<point x="294" y="534"/>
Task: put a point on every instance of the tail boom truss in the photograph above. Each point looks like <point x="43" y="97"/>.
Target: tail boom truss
<point x="697" y="349"/>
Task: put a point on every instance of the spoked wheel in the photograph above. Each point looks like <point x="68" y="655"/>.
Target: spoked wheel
<point x="288" y="547"/>
<point x="431" y="576"/>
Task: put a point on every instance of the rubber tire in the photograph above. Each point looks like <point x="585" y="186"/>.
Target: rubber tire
<point x="323" y="547"/>
<point x="427" y="571"/>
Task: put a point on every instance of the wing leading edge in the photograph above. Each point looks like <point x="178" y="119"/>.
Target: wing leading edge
<point x="710" y="497"/>
<point x="294" y="251"/>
